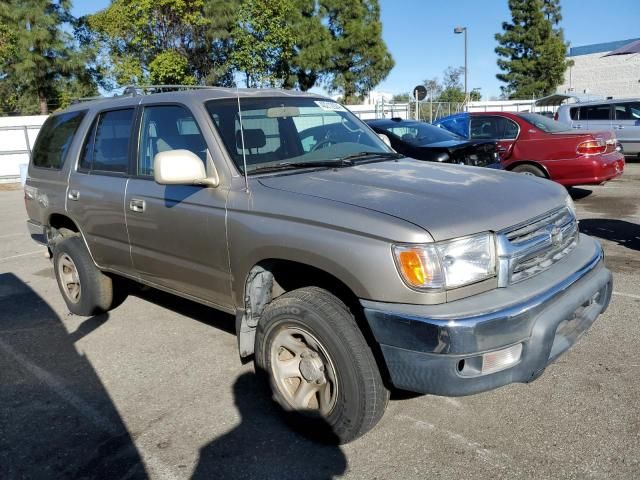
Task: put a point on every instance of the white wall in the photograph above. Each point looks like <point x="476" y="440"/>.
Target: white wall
<point x="13" y="143"/>
<point x="615" y="76"/>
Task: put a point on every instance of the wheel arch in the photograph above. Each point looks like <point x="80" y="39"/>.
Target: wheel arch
<point x="533" y="163"/>
<point x="272" y="277"/>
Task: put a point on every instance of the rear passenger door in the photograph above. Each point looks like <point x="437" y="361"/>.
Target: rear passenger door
<point x="177" y="232"/>
<point x="626" y="124"/>
<point x="595" y="117"/>
<point x="494" y="127"/>
<point x="95" y="196"/>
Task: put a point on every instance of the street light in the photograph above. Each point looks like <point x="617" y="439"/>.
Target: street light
<point x="464" y="30"/>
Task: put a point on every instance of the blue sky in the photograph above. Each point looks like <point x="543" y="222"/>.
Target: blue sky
<point x="419" y="34"/>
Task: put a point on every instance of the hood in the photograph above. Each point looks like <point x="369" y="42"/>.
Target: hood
<point x="446" y="200"/>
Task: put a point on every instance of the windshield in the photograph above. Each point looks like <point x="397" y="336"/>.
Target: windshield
<point x="417" y="133"/>
<point x="545" y="124"/>
<point x="290" y="131"/>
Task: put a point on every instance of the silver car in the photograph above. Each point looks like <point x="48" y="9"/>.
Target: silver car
<point x="620" y="115"/>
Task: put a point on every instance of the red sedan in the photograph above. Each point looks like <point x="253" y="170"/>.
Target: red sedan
<point x="536" y="145"/>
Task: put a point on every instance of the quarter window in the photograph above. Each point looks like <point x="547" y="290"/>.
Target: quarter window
<point x="106" y="148"/>
<point x="55" y="138"/>
<point x="168" y="127"/>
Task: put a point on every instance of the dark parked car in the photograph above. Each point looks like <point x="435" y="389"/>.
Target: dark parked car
<point x="424" y="141"/>
<point x="537" y="145"/>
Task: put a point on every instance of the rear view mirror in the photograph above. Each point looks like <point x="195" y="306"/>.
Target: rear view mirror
<point x="181" y="167"/>
<point x="282" y="112"/>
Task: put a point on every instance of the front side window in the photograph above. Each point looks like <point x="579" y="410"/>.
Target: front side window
<point x="106" y="148"/>
<point x="167" y="127"/>
<point x="55" y="138"/>
<point x="627" y="111"/>
<point x="286" y="130"/>
<point x="493" y="127"/>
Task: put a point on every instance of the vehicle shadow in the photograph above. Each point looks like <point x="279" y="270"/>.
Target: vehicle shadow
<point x="579" y="193"/>
<point x="196" y="311"/>
<point x="57" y="420"/>
<point x="263" y="446"/>
<point x="624" y="233"/>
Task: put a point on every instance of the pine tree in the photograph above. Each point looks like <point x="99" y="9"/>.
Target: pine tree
<point x="359" y="57"/>
<point x="532" y="50"/>
<point x="44" y="55"/>
<point x="263" y="42"/>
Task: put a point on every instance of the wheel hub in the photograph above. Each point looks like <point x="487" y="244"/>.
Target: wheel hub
<point x="311" y="367"/>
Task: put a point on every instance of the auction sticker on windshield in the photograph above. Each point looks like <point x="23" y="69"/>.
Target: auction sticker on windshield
<point x="330" y="106"/>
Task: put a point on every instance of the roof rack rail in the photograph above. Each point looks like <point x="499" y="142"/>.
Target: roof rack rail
<point x="86" y="99"/>
<point x="134" y="90"/>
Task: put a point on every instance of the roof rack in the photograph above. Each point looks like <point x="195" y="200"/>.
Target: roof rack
<point x="86" y="99"/>
<point x="134" y="90"/>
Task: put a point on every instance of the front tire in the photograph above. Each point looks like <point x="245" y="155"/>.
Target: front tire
<point x="321" y="369"/>
<point x="85" y="289"/>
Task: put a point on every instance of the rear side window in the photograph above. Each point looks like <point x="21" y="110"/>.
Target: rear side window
<point x="493" y="127"/>
<point x="595" y="112"/>
<point x="106" y="148"/>
<point x="55" y="138"/>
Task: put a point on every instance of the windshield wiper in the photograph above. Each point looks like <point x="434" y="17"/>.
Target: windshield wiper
<point x="365" y="155"/>
<point x="340" y="162"/>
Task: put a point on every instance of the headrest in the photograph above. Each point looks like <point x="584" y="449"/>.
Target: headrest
<point x="253" y="138"/>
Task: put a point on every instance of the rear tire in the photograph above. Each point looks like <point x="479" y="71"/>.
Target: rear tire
<point x="528" y="169"/>
<point x="320" y="367"/>
<point x="85" y="289"/>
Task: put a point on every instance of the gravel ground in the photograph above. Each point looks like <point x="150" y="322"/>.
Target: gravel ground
<point x="155" y="389"/>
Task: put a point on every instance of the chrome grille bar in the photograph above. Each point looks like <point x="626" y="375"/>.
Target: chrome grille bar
<point x="528" y="249"/>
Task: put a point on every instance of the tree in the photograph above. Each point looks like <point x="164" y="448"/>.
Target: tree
<point x="532" y="50"/>
<point x="402" y="98"/>
<point x="263" y="42"/>
<point x="42" y="57"/>
<point x="359" y="57"/>
<point x="177" y="40"/>
<point x="311" y="55"/>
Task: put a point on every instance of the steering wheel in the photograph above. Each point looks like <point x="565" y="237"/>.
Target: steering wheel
<point x="322" y="144"/>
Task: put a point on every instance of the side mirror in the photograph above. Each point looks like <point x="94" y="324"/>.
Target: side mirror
<point x="385" y="139"/>
<point x="181" y="167"/>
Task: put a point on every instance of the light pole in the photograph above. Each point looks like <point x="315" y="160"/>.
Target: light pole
<point x="466" y="71"/>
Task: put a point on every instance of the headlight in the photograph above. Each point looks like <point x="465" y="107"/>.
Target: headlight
<point x="571" y="206"/>
<point x="446" y="265"/>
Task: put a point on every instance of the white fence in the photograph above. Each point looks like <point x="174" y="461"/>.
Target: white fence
<point x="17" y="136"/>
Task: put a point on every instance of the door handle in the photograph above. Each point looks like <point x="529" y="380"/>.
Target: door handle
<point x="73" y="195"/>
<point x="618" y="127"/>
<point x="577" y="125"/>
<point x="136" y="205"/>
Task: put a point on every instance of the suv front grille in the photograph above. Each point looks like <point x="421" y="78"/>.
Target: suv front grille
<point x="529" y="249"/>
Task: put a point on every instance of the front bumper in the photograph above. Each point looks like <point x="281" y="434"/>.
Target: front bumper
<point x="423" y="345"/>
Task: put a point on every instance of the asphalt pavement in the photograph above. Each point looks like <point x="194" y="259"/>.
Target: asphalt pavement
<point x="154" y="388"/>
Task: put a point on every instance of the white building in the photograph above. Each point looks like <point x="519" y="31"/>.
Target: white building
<point x="605" y="69"/>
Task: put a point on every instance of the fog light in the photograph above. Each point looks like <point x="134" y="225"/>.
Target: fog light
<point x="501" y="359"/>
